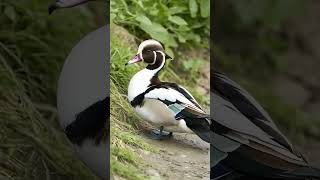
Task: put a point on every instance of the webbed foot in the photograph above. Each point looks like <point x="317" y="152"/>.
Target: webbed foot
<point x="160" y="134"/>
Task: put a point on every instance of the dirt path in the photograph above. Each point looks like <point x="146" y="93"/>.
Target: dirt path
<point x="185" y="156"/>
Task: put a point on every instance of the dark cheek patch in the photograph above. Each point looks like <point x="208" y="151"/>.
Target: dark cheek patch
<point x="148" y="57"/>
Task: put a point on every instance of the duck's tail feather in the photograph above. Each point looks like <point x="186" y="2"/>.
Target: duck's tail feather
<point x="305" y="172"/>
<point x="220" y="172"/>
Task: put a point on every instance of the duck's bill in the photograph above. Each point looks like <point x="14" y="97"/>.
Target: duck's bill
<point x="58" y="4"/>
<point x="135" y="59"/>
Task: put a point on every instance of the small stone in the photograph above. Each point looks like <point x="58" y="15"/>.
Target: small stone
<point x="146" y="152"/>
<point x="154" y="174"/>
<point x="170" y="153"/>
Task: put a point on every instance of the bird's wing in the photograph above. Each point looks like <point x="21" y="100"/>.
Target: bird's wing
<point x="242" y="128"/>
<point x="175" y="96"/>
<point x="183" y="105"/>
<point x="84" y="128"/>
<point x="228" y="94"/>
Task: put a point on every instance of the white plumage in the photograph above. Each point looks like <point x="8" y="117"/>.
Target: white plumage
<point x="164" y="105"/>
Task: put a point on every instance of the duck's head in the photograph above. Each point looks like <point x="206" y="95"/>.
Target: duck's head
<point x="150" y="52"/>
<point x="58" y="4"/>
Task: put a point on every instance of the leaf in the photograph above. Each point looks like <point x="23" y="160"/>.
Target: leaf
<point x="194" y="37"/>
<point x="177" y="20"/>
<point x="184" y="28"/>
<point x="171" y="41"/>
<point x="10" y="13"/>
<point x="193" y="8"/>
<point x="176" y="10"/>
<point x="156" y="31"/>
<point x="143" y="19"/>
<point x="205" y="8"/>
<point x="169" y="52"/>
<point x="181" y="38"/>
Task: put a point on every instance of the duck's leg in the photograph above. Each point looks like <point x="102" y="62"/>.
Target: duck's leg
<point x="160" y="134"/>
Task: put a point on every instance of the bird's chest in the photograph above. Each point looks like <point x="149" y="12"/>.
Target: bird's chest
<point x="156" y="113"/>
<point x="139" y="83"/>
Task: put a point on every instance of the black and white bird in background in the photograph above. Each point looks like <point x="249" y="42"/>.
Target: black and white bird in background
<point x="246" y="144"/>
<point x="83" y="96"/>
<point x="165" y="105"/>
<point x="60" y="4"/>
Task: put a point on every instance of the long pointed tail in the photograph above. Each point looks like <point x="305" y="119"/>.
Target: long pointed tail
<point x="306" y="173"/>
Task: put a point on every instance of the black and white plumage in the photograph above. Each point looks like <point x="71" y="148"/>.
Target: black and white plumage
<point x="83" y="128"/>
<point x="245" y="139"/>
<point x="83" y="96"/>
<point x="165" y="105"/>
<point x="83" y="100"/>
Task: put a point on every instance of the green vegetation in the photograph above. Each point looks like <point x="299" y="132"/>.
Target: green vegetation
<point x="172" y="22"/>
<point x="125" y="124"/>
<point x="33" y="47"/>
<point x="123" y="120"/>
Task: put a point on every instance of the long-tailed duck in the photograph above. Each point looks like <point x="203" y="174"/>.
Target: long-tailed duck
<point x="246" y="143"/>
<point x="167" y="106"/>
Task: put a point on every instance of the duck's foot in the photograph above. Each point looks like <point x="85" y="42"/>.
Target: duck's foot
<point x="160" y="135"/>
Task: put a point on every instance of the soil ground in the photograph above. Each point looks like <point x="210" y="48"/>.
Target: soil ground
<point x="183" y="156"/>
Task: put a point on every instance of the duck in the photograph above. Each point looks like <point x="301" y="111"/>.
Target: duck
<point x="246" y="143"/>
<point x="83" y="98"/>
<point x="61" y="4"/>
<point x="167" y="106"/>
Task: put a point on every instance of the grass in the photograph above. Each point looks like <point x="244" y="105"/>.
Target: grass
<point x="123" y="121"/>
<point x="125" y="124"/>
<point x="33" y="47"/>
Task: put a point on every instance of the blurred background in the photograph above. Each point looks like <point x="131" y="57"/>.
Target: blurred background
<point x="272" y="48"/>
<point x="33" y="47"/>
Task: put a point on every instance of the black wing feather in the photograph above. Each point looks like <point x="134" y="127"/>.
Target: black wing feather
<point x="247" y="106"/>
<point x="90" y="123"/>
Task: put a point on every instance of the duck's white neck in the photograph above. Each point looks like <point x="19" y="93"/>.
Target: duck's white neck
<point x="140" y="82"/>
